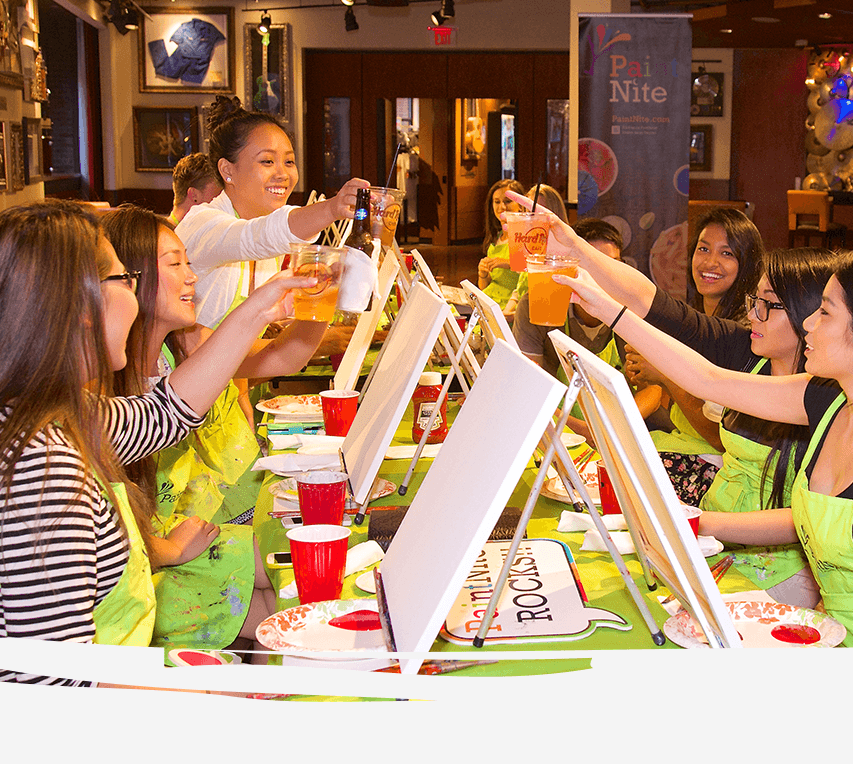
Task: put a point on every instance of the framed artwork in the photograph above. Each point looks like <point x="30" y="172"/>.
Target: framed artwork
<point x="706" y="94"/>
<point x="162" y="136"/>
<point x="4" y="180"/>
<point x="15" y="156"/>
<point x="186" y="50"/>
<point x="268" y="62"/>
<point x="701" y="147"/>
<point x="32" y="150"/>
<point x="11" y="73"/>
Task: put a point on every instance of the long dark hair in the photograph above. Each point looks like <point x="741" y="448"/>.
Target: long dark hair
<point x="135" y="232"/>
<point x="844" y="276"/>
<point x="54" y="350"/>
<point x="230" y="126"/>
<point x="747" y="246"/>
<point x="798" y="277"/>
<point x="493" y="224"/>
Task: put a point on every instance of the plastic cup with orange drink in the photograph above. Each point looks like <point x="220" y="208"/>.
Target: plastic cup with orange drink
<point x="549" y="301"/>
<point x="386" y="206"/>
<point x="318" y="302"/>
<point x="527" y="234"/>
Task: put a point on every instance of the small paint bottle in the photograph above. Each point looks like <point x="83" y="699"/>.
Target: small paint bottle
<point x="423" y="402"/>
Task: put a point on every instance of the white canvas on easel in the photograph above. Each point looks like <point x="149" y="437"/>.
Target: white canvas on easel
<point x="492" y="320"/>
<point x="663" y="539"/>
<point x="350" y="368"/>
<point x="463" y="495"/>
<point x="395" y="376"/>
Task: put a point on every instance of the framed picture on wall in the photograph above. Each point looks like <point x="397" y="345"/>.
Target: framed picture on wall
<point x="186" y="50"/>
<point x="706" y="94"/>
<point x="162" y="136"/>
<point x="701" y="147"/>
<point x="15" y="156"/>
<point x="269" y="71"/>
<point x="32" y="150"/>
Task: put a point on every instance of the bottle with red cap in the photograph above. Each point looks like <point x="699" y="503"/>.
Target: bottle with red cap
<point x="424" y="401"/>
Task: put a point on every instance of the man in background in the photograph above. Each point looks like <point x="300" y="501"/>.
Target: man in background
<point x="194" y="182"/>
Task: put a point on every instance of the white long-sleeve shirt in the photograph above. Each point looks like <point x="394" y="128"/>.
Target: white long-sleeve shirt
<point x="218" y="246"/>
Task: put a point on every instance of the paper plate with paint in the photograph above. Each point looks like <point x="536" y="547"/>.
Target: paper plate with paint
<point x="297" y="408"/>
<point x="382" y="488"/>
<point x="572" y="439"/>
<point x="764" y="624"/>
<point x="329" y="626"/>
<point x="181" y="656"/>
<point x="554" y="488"/>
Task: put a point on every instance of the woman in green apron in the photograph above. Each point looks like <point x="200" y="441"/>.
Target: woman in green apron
<point x="821" y="512"/>
<point x="75" y="532"/>
<point x="209" y="474"/>
<point x="494" y="275"/>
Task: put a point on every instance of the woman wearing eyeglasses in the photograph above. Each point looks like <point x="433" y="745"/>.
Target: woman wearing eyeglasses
<point x="761" y="457"/>
<point x="74" y="531"/>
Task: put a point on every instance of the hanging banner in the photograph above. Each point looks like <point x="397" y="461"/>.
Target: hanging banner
<point x="633" y="136"/>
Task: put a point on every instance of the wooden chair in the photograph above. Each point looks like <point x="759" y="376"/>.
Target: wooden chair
<point x="809" y="215"/>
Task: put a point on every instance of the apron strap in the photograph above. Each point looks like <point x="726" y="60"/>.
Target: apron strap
<point x="819" y="430"/>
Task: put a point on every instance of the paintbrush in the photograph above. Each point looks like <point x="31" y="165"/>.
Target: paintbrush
<point x="719" y="569"/>
<point x="438" y="667"/>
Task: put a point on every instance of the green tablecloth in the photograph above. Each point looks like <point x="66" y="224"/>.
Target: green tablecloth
<point x="599" y="576"/>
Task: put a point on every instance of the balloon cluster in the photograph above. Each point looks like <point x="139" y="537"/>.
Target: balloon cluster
<point x="829" y="126"/>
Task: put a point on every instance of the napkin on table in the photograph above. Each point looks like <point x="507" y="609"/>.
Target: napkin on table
<point x="289" y="464"/>
<point x="283" y="442"/>
<point x="407" y="452"/>
<point x="571" y="522"/>
<point x="360" y="557"/>
<point x="593" y="542"/>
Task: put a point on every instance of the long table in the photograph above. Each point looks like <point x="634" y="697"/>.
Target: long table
<point x="597" y="572"/>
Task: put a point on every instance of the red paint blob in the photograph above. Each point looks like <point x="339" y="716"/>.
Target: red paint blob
<point x="358" y="620"/>
<point x="195" y="658"/>
<point x="794" y="634"/>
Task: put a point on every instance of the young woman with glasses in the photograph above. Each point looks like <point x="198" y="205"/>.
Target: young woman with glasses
<point x="761" y="456"/>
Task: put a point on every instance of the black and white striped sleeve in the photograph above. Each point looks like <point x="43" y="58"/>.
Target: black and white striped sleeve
<point x="141" y="425"/>
<point x="62" y="549"/>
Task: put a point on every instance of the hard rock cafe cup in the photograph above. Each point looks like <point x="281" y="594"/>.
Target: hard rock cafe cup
<point x="549" y="301"/>
<point x="528" y="236"/>
<point x="318" y="302"/>
<point x="386" y="207"/>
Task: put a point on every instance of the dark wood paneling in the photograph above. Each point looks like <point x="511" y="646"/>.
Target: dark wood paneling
<point x="330" y="74"/>
<point x="768" y="134"/>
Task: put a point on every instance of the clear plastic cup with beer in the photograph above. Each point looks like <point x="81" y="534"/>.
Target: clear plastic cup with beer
<point x="549" y="301"/>
<point x="527" y="234"/>
<point x="318" y="302"/>
<point x="386" y="207"/>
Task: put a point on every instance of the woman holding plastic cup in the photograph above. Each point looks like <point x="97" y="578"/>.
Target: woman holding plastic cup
<point x="821" y="511"/>
<point x="494" y="274"/>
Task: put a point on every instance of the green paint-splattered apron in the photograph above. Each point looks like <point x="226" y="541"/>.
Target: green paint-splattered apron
<point x="737" y="488"/>
<point x="824" y="525"/>
<point x="126" y="615"/>
<point x="209" y="473"/>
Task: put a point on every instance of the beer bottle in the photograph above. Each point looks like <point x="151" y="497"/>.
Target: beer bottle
<point x="360" y="237"/>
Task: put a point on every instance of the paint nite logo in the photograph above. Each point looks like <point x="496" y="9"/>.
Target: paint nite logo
<point x="602" y="33"/>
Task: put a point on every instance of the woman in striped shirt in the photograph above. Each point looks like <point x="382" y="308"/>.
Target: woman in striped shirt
<point x="73" y="564"/>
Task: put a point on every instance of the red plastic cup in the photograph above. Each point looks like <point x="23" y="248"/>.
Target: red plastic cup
<point x="692" y="514"/>
<point x="319" y="560"/>
<point x="322" y="495"/>
<point x="609" y="504"/>
<point x="339" y="409"/>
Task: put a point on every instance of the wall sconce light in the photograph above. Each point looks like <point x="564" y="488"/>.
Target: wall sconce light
<point x="266" y="23"/>
<point x="350" y="23"/>
<point x="447" y="12"/>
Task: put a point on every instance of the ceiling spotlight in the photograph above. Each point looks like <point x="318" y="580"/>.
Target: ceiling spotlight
<point x="266" y="23"/>
<point x="348" y="2"/>
<point x="349" y="20"/>
<point x="123" y="15"/>
<point x="447" y="12"/>
<point x="824" y="15"/>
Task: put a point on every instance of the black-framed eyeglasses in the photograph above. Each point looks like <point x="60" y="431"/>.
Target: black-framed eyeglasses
<point x="761" y="306"/>
<point x="131" y="278"/>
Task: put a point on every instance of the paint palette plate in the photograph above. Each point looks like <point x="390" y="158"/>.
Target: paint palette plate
<point x="764" y="624"/>
<point x="295" y="408"/>
<point x="332" y="625"/>
<point x="554" y="488"/>
<point x="366" y="582"/>
<point x="182" y="656"/>
<point x="572" y="440"/>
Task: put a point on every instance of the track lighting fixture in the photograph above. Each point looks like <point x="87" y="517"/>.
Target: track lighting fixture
<point x="447" y="12"/>
<point x="349" y="20"/>
<point x="266" y="23"/>
<point x="124" y="15"/>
